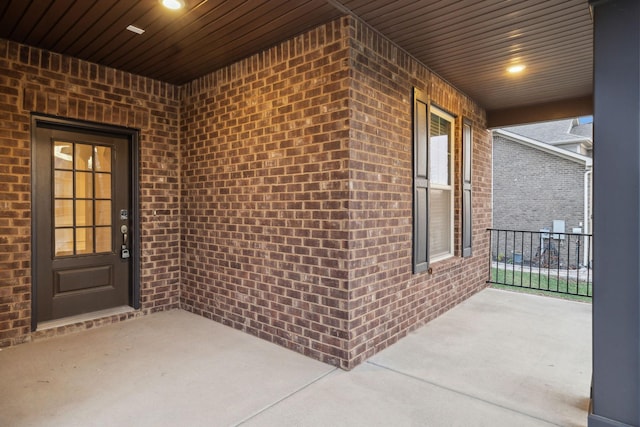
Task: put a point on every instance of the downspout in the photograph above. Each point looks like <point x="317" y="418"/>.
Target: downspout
<point x="587" y="225"/>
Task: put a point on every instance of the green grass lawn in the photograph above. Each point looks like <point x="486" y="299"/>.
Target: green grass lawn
<point x="541" y="284"/>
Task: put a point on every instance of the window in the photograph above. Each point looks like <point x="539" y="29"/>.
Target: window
<point x="432" y="183"/>
<point x="441" y="188"/>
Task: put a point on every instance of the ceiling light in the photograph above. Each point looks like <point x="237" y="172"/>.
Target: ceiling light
<point x="173" y="4"/>
<point x="515" y="69"/>
<point x="135" y="29"/>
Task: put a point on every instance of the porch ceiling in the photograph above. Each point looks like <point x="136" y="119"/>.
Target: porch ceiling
<point x="469" y="43"/>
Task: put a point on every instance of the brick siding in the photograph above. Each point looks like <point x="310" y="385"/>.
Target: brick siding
<point x="532" y="188"/>
<point x="265" y="191"/>
<point x="33" y="80"/>
<point x="281" y="186"/>
<point x="297" y="195"/>
<point x="386" y="299"/>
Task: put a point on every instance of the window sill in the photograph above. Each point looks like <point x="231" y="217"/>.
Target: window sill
<point x="440" y="258"/>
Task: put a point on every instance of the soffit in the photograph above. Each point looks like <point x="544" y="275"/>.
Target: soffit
<point x="176" y="47"/>
<point x="468" y="43"/>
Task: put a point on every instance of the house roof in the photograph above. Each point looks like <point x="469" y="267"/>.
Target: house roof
<point x="585" y="130"/>
<point x="468" y="43"/>
<point x="557" y="132"/>
<point x="538" y="145"/>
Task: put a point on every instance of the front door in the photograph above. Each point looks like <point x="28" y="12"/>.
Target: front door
<point x="82" y="236"/>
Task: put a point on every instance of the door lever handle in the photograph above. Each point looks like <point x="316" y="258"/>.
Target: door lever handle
<point x="124" y="229"/>
<point x="124" y="253"/>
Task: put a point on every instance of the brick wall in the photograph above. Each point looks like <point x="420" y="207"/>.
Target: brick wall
<point x="386" y="299"/>
<point x="32" y="80"/>
<point x="297" y="196"/>
<point x="531" y="188"/>
<point x="265" y="191"/>
<point x="281" y="187"/>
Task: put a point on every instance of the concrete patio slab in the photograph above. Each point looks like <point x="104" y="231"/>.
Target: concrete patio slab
<point x="168" y="369"/>
<point x="374" y="396"/>
<point x="528" y="353"/>
<point x="498" y="359"/>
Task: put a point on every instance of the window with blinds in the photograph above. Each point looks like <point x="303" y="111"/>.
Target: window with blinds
<point x="433" y="180"/>
<point x="441" y="188"/>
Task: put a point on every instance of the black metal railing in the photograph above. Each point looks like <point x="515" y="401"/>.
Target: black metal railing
<point x="541" y="260"/>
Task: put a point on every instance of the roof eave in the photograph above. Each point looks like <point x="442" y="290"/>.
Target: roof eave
<point x="569" y="155"/>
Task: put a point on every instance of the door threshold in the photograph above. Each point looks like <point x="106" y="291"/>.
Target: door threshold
<point x="94" y="315"/>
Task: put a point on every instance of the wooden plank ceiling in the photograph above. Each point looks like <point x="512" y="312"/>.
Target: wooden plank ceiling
<point x="470" y="43"/>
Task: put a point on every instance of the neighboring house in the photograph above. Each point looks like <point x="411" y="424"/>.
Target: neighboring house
<point x="542" y="176"/>
<point x="574" y="135"/>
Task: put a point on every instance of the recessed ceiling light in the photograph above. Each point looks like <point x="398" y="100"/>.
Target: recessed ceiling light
<point x="173" y="4"/>
<point x="514" y="69"/>
<point x="135" y="29"/>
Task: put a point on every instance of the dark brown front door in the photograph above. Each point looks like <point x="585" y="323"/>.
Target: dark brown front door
<point x="82" y="236"/>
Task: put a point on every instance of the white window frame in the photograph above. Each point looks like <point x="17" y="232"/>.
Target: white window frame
<point x="451" y="187"/>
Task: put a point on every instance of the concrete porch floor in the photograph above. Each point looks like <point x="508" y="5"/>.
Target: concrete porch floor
<point x="498" y="359"/>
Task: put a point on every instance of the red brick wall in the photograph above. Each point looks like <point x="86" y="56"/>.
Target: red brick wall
<point x="297" y="196"/>
<point x="265" y="191"/>
<point x="386" y="299"/>
<point x="281" y="187"/>
<point x="32" y="80"/>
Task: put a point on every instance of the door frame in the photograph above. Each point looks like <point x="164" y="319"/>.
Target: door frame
<point x="133" y="135"/>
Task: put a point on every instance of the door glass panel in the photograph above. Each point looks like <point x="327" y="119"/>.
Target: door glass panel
<point x="64" y="241"/>
<point x="82" y="198"/>
<point x="84" y="185"/>
<point x="103" y="239"/>
<point x="103" y="186"/>
<point x="84" y="212"/>
<point x="84" y="157"/>
<point x="63" y="184"/>
<point x="64" y="213"/>
<point x="63" y="155"/>
<point x="84" y="240"/>
<point x="103" y="212"/>
<point x="103" y="159"/>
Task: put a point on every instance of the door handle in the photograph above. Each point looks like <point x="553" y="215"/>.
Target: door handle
<point x="124" y="230"/>
<point x="124" y="251"/>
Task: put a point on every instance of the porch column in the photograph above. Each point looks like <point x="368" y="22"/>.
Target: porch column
<point x="616" y="227"/>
